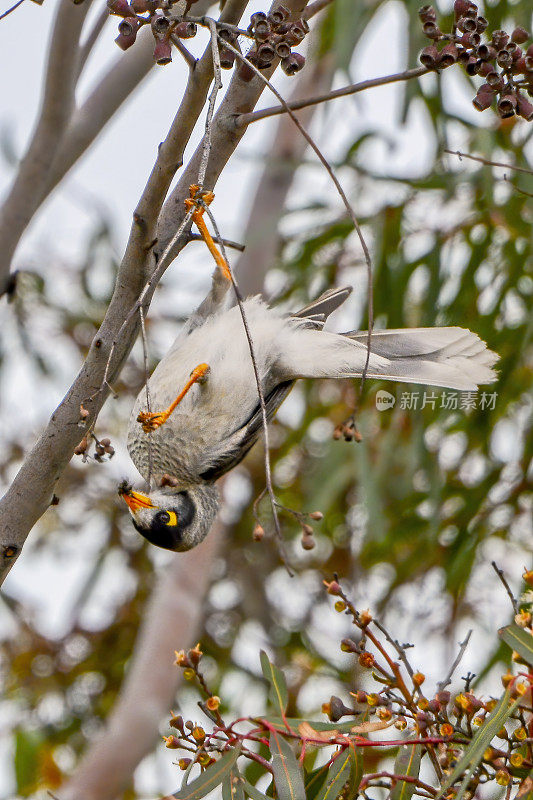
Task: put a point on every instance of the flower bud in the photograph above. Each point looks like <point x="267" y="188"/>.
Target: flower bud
<point x="337" y="709"/>
<point x="308" y="542"/>
<point x="198" y="735"/>
<point x="171" y="742"/>
<point x="443" y="697"/>
<point x="419" y="678"/>
<point x="176" y="722"/>
<point x="82" y="447"/>
<point x="183" y="763"/>
<point x="317" y="515"/>
<point x="349" y="646"/>
<point x="333" y="587"/>
<point x="366" y="659"/>
<point x="258" y="532"/>
<point x="213" y="703"/>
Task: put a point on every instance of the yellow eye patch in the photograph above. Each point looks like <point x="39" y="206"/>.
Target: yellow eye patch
<point x="173" y="518"/>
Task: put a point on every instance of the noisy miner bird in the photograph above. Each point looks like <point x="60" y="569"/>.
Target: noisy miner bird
<point x="207" y="386"/>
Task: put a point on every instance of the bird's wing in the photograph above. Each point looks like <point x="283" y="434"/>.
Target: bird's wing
<point x="230" y="451"/>
<point x="320" y="309"/>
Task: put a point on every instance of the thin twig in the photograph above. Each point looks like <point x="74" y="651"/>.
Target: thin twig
<point x="488" y="163"/>
<point x="197" y="237"/>
<point x="268" y="471"/>
<point x="462" y="647"/>
<point x="503" y="579"/>
<point x="147" y="388"/>
<point x="397" y="646"/>
<point x="187" y="55"/>
<point x="354" y="88"/>
<point x="340" y="190"/>
<point x="9" y="10"/>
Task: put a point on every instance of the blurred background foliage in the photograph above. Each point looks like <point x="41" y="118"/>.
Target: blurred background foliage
<point x="413" y="513"/>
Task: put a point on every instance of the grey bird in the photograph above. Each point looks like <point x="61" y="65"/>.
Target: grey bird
<point x="212" y="423"/>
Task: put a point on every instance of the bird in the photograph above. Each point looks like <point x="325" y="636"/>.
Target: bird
<point x="212" y="414"/>
<point x="217" y="418"/>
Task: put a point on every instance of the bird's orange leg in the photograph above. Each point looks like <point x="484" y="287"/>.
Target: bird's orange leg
<point x="198" y="218"/>
<point x="152" y="420"/>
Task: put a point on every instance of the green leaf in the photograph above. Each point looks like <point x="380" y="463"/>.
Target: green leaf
<point x="278" y="687"/>
<point x="27" y="747"/>
<point x="210" y="778"/>
<point x="356" y="774"/>
<point x="314" y="780"/>
<point x="518" y="639"/>
<point x="473" y="754"/>
<point x="339" y="773"/>
<point x="232" y="786"/>
<point x="287" y="772"/>
<point x="407" y="763"/>
<point x="252" y="792"/>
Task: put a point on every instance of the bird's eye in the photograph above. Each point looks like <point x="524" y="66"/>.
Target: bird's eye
<point x="163" y="517"/>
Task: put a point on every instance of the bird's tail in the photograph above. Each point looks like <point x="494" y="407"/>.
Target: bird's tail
<point x="454" y="358"/>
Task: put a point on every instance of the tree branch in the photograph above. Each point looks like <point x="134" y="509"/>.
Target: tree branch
<point x="58" y="99"/>
<point x="31" y="492"/>
<point x="354" y="88"/>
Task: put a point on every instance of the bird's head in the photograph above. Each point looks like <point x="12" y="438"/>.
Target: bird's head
<point x="173" y="518"/>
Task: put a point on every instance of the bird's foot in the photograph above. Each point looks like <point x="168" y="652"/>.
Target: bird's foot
<point x="151" y="420"/>
<point x="199" y="204"/>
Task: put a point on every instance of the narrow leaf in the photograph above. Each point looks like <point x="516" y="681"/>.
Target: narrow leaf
<point x="518" y="639"/>
<point x="314" y="780"/>
<point x="356" y="774"/>
<point x="278" y="687"/>
<point x="340" y="727"/>
<point x="232" y="786"/>
<point x="339" y="774"/>
<point x="287" y="772"/>
<point x="208" y="780"/>
<point x="473" y="754"/>
<point x="252" y="791"/>
<point x="407" y="763"/>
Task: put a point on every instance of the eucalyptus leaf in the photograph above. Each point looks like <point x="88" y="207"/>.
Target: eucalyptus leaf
<point x="279" y="695"/>
<point x="287" y="772"/>
<point x="208" y="780"/>
<point x="518" y="639"/>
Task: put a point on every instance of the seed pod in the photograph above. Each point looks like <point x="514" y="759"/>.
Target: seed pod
<point x="463" y="57"/>
<point x="429" y="57"/>
<point x="520" y="35"/>
<point x="127" y="32"/>
<point x="460" y="7"/>
<point x="162" y="51"/>
<point x="448" y="55"/>
<point x="473" y="65"/>
<point x="160" y="26"/>
<point x="278" y="16"/>
<point x="523" y="107"/>
<point x="504" y="59"/>
<point x="318" y="515"/>
<point x="293" y="64"/>
<point x="507" y="105"/>
<point x="283" y="50"/>
<point x="481" y="24"/>
<point x="256" y="17"/>
<point x="227" y="58"/>
<point x="528" y="61"/>
<point x="186" y="29"/>
<point x="262" y="30"/>
<point x="471" y="11"/>
<point x="467" y="25"/>
<point x="427" y="14"/>
<point x="121" y="8"/>
<point x="105" y="442"/>
<point x="486" y="52"/>
<point x="265" y="55"/>
<point x="431" y="30"/>
<point x="485" y="69"/>
<point x="499" y="39"/>
<point x="519" y="67"/>
<point x="296" y="33"/>
<point x="495" y="81"/>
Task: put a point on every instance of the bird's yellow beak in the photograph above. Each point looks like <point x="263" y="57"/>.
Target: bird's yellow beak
<point x="136" y="500"/>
